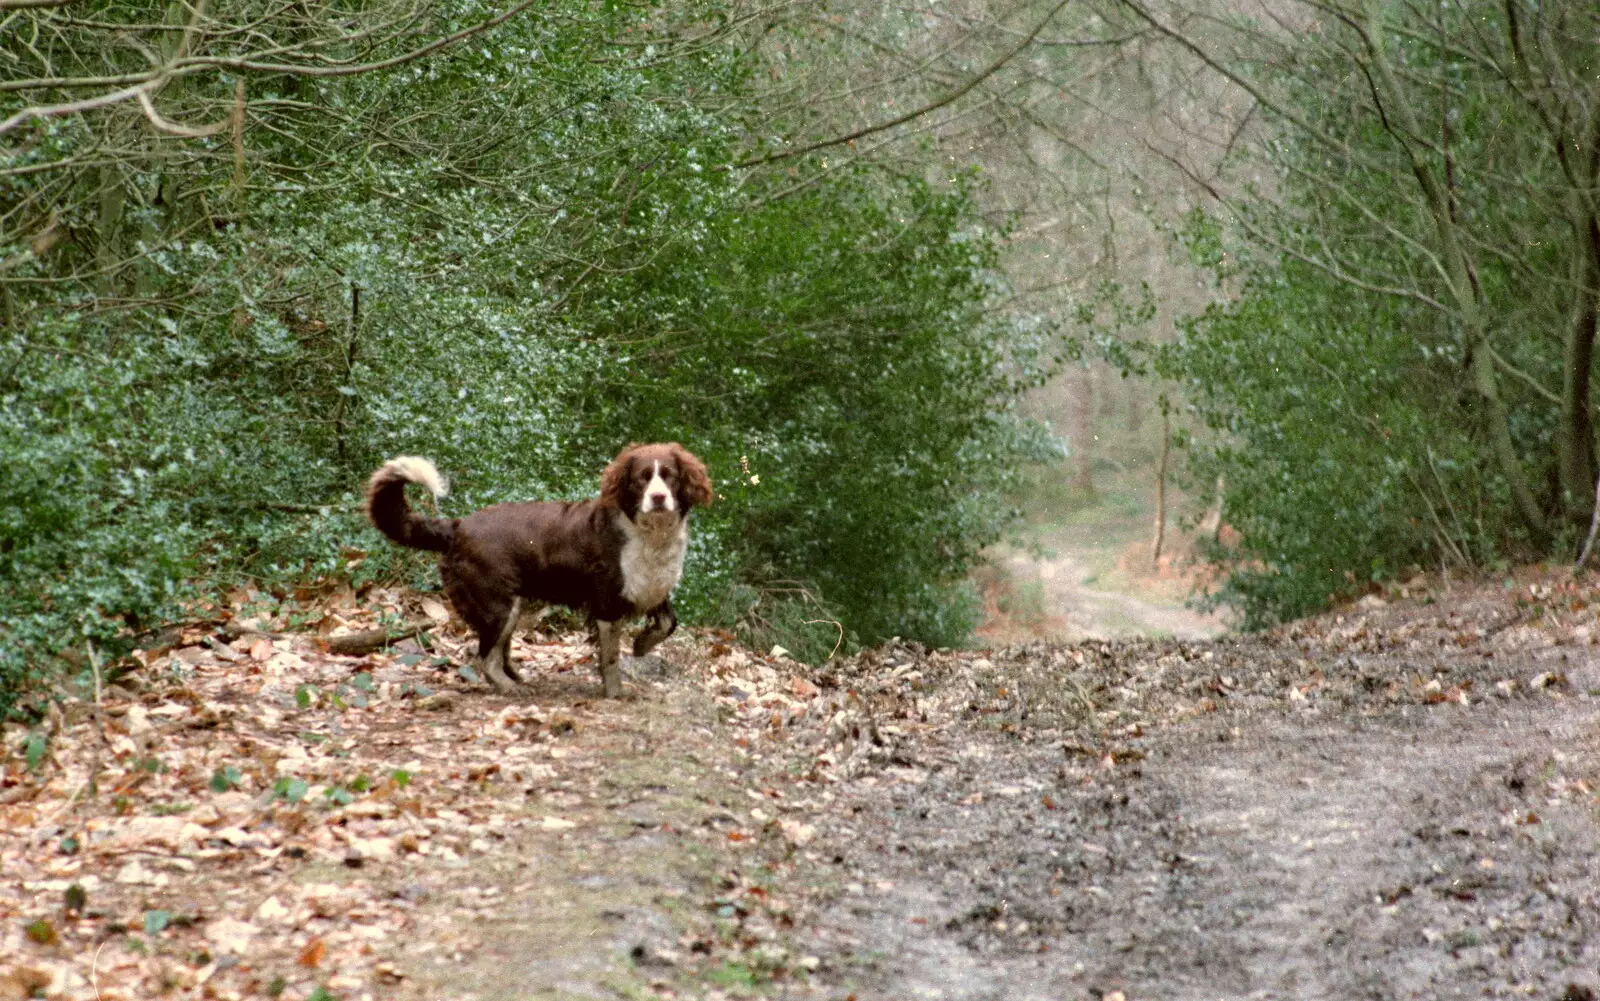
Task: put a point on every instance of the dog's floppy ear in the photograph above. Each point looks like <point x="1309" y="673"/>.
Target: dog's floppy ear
<point x="696" y="486"/>
<point x="615" y="477"/>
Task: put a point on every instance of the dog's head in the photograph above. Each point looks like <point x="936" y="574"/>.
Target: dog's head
<point x="646" y="479"/>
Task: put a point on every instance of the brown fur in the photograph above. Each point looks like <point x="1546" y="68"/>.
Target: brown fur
<point x="566" y="553"/>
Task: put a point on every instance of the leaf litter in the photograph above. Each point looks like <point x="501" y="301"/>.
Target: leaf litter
<point x="246" y="814"/>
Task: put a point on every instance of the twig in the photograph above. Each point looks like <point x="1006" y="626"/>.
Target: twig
<point x="94" y="664"/>
<point x="813" y="622"/>
<point x="94" y="968"/>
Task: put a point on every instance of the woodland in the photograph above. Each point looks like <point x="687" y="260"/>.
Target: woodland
<point x="931" y="285"/>
<point x="1351" y="249"/>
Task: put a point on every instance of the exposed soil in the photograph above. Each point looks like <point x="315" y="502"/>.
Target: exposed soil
<point x="1331" y="847"/>
<point x="1072" y="608"/>
<point x="1398" y="801"/>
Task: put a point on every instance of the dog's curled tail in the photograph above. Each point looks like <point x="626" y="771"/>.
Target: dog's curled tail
<point x="387" y="507"/>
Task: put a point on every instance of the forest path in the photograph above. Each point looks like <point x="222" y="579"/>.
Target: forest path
<point x="1396" y="800"/>
<point x="1077" y="609"/>
<point x="1287" y="854"/>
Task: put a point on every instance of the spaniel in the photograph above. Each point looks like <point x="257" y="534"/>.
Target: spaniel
<point x="614" y="557"/>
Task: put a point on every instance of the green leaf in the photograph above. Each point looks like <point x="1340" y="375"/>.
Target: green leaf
<point x="33" y="750"/>
<point x="156" y="921"/>
<point x="304" y="696"/>
<point x="292" y="790"/>
<point x="41" y="931"/>
<point x="401" y="777"/>
<point x="321" y="994"/>
<point x="225" y="778"/>
<point x="363" y="681"/>
<point x="75" y="898"/>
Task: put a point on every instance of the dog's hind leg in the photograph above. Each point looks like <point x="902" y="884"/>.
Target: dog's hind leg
<point x="608" y="638"/>
<point x="494" y="647"/>
<point x="661" y="624"/>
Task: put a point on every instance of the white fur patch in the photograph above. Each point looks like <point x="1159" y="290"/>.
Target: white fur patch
<point x="415" y="469"/>
<point x="652" y="556"/>
<point x="657" y="487"/>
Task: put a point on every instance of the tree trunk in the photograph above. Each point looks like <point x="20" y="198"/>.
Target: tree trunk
<point x="1161" y="489"/>
<point x="108" y="227"/>
<point x="1575" y="440"/>
<point x="1083" y="432"/>
<point x="1499" y="429"/>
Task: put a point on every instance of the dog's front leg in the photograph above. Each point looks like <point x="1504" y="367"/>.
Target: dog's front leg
<point x="608" y="638"/>
<point x="661" y="624"/>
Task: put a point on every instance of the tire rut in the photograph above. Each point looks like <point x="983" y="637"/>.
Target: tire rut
<point x="1287" y="855"/>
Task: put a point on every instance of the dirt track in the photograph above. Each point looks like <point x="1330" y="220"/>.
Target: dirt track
<point x="1397" y="802"/>
<point x="1306" y="854"/>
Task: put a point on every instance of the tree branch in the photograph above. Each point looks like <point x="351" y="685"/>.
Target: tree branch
<point x="954" y="95"/>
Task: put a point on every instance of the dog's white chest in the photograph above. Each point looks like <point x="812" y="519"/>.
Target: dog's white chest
<point x="652" y="560"/>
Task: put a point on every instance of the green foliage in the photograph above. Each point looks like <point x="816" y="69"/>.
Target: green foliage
<point x="1346" y="416"/>
<point x="1340" y="439"/>
<point x="291" y="790"/>
<point x="513" y="257"/>
<point x="34" y="749"/>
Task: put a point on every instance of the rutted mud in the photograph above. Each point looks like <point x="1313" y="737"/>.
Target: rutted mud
<point x="1350" y="826"/>
<point x="1310" y="859"/>
<point x="1400" y="801"/>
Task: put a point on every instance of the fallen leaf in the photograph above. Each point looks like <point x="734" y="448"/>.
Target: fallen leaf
<point x="230" y="936"/>
<point x="42" y="932"/>
<point x="136" y="874"/>
<point x="312" y="954"/>
<point x="271" y="910"/>
<point x="435" y="611"/>
<point x="797" y="833"/>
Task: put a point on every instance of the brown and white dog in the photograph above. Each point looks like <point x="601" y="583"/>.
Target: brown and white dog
<point x="614" y="557"/>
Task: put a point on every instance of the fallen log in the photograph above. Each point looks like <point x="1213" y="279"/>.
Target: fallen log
<point x="357" y="644"/>
<point x="348" y="644"/>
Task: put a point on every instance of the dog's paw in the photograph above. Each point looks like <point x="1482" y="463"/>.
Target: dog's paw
<point x="648" y="666"/>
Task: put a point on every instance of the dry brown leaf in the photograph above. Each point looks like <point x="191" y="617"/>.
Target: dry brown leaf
<point x="312" y="955"/>
<point x="435" y="611"/>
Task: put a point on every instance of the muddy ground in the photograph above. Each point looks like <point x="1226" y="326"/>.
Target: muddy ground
<point x="1396" y="801"/>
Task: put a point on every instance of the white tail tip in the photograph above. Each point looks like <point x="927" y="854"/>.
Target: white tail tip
<point x="415" y="469"/>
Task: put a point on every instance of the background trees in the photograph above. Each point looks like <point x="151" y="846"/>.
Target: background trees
<point x="247" y="255"/>
<point x="1405" y="377"/>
